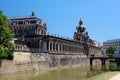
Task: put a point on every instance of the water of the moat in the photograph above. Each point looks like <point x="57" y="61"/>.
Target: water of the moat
<point x="69" y="73"/>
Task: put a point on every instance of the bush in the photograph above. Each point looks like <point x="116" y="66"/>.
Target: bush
<point x="110" y="51"/>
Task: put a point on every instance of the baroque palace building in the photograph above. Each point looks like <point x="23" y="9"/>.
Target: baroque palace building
<point x="30" y="36"/>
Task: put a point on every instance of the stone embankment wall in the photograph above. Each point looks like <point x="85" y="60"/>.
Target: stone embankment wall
<point x="10" y="66"/>
<point x="64" y="60"/>
<point x="39" y="61"/>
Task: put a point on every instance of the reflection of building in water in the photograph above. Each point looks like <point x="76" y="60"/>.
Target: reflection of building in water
<point x="30" y="36"/>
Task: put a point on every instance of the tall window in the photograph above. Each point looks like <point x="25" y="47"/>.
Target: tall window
<point x="20" y="22"/>
<point x="60" y="47"/>
<point x="50" y="46"/>
<point x="33" y="21"/>
<point x="42" y="32"/>
<point x="63" y="48"/>
<point x="54" y="46"/>
<point x="32" y="30"/>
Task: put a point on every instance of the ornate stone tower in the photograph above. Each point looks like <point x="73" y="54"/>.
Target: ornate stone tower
<point x="81" y="35"/>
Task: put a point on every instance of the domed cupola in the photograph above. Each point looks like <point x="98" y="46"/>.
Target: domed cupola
<point x="81" y="35"/>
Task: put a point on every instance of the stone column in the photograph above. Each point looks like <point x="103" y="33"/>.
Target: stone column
<point x="58" y="47"/>
<point x="40" y="45"/>
<point x="49" y="46"/>
<point x="61" y="48"/>
<point x="55" y="46"/>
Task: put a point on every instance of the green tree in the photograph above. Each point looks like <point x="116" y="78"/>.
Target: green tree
<point x="6" y="36"/>
<point x="110" y="51"/>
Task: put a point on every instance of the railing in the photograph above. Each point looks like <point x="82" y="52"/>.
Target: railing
<point x="28" y="50"/>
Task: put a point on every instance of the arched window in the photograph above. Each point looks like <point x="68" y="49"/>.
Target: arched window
<point x="21" y="47"/>
<point x="63" y="48"/>
<point x="20" y="22"/>
<point x="16" y="47"/>
<point x="56" y="47"/>
<point x="33" y="21"/>
<point x="42" y="32"/>
<point x="51" y="46"/>
<point x="29" y="44"/>
<point x="60" y="48"/>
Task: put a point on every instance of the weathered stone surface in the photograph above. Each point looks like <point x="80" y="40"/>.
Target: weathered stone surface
<point x="33" y="61"/>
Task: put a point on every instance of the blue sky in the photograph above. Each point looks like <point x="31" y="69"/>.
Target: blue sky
<point x="101" y="17"/>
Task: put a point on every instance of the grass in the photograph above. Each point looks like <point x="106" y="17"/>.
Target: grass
<point x="104" y="76"/>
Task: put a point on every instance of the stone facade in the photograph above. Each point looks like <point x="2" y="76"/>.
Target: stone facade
<point x="11" y="66"/>
<point x="33" y="44"/>
<point x="35" y="50"/>
<point x="39" y="63"/>
<point x="28" y="25"/>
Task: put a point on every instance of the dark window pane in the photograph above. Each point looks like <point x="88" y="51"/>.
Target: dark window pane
<point x="33" y="21"/>
<point x="20" y="22"/>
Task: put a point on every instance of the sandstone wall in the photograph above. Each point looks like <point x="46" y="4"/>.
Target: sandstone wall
<point x="28" y="56"/>
<point x="24" y="61"/>
<point x="64" y="60"/>
<point x="10" y="66"/>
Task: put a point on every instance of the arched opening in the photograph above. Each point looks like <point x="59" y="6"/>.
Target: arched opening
<point x="50" y="46"/>
<point x="53" y="46"/>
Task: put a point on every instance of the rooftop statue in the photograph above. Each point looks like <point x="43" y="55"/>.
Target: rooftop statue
<point x="80" y="22"/>
<point x="80" y="28"/>
<point x="33" y="13"/>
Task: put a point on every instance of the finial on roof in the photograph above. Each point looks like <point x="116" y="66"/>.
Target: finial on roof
<point x="33" y="13"/>
<point x="80" y="22"/>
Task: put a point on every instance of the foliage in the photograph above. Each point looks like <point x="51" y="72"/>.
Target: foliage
<point x="6" y="36"/>
<point x="110" y="51"/>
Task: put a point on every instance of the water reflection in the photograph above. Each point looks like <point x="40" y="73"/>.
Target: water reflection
<point x="114" y="67"/>
<point x="70" y="73"/>
<point x="78" y="73"/>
